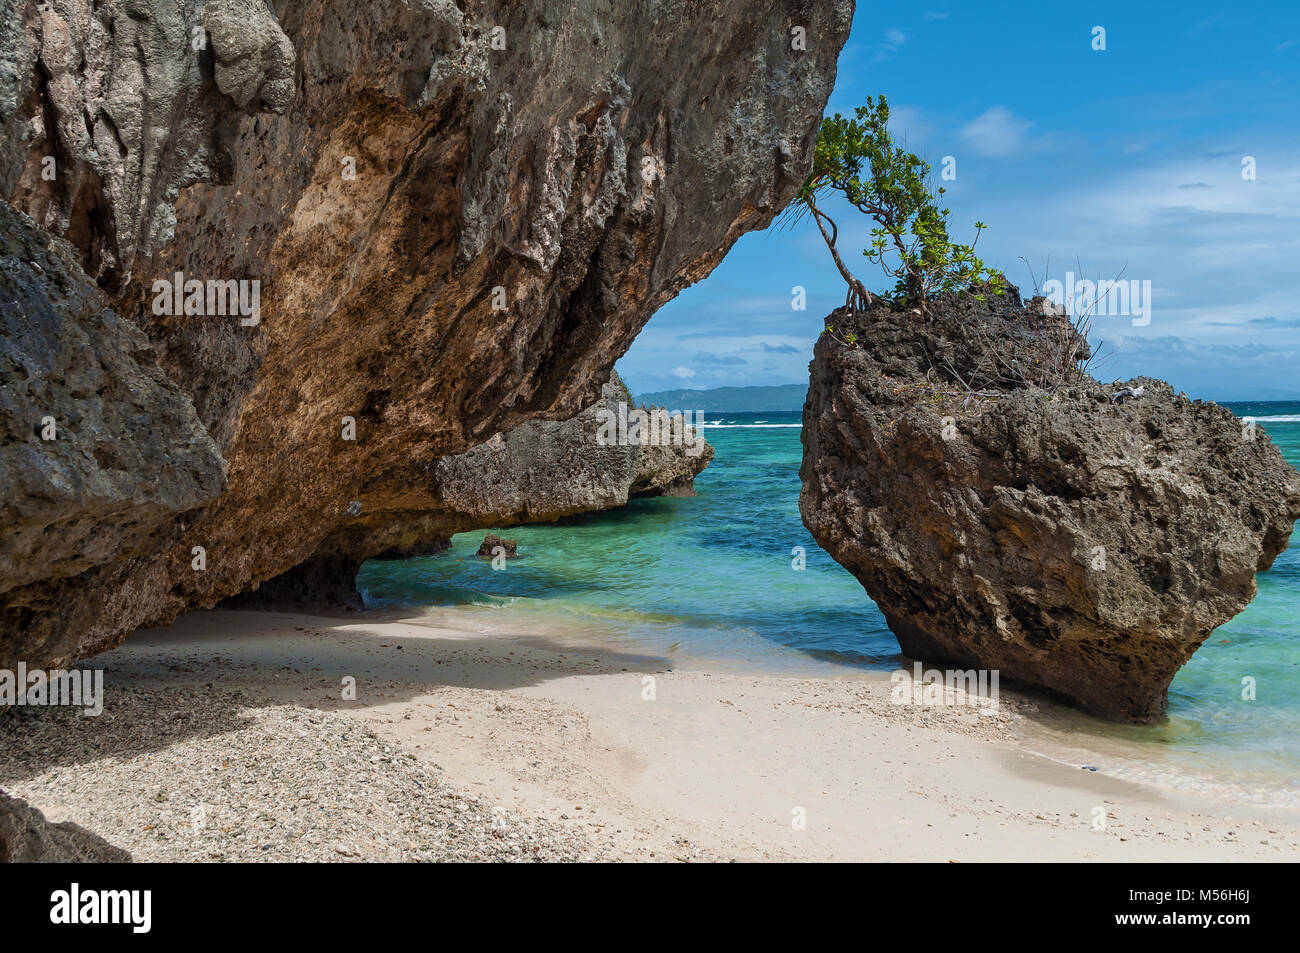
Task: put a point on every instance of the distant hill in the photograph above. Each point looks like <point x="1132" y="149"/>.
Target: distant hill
<point x="790" y="397"/>
<point x="730" y="400"/>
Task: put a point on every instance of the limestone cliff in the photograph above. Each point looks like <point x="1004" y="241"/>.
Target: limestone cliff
<point x="451" y="218"/>
<point x="1077" y="544"/>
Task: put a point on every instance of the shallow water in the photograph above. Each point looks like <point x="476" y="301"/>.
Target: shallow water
<point x="709" y="580"/>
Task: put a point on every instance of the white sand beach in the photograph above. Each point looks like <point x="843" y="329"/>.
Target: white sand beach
<point x="225" y="737"/>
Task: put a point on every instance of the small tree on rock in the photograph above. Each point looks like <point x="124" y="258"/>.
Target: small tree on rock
<point x="859" y="159"/>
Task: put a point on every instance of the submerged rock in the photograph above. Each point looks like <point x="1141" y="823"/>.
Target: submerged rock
<point x="1080" y="545"/>
<point x="492" y="542"/>
<point x="443" y="219"/>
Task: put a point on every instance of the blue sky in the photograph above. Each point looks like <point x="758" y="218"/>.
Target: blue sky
<point x="1125" y="163"/>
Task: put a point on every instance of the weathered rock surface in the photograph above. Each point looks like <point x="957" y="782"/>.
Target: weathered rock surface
<point x="414" y="176"/>
<point x="26" y="837"/>
<point x="100" y="453"/>
<point x="1079" y="546"/>
<point x="109" y="111"/>
<point x="545" y="469"/>
<point x="539" y="472"/>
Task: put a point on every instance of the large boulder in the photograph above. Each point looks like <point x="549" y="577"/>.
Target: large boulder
<point x="458" y="215"/>
<point x="1004" y="516"/>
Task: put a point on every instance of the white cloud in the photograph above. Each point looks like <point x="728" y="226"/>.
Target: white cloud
<point x="1222" y="370"/>
<point x="910" y="127"/>
<point x="997" y="133"/>
<point x="1216" y="252"/>
<point x="894" y="38"/>
<point x="1203" y="184"/>
<point x="685" y="373"/>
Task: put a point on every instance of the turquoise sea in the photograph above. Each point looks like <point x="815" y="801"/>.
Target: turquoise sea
<point x="709" y="580"/>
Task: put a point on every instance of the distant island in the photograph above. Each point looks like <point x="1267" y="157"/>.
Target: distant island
<point x="730" y="400"/>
